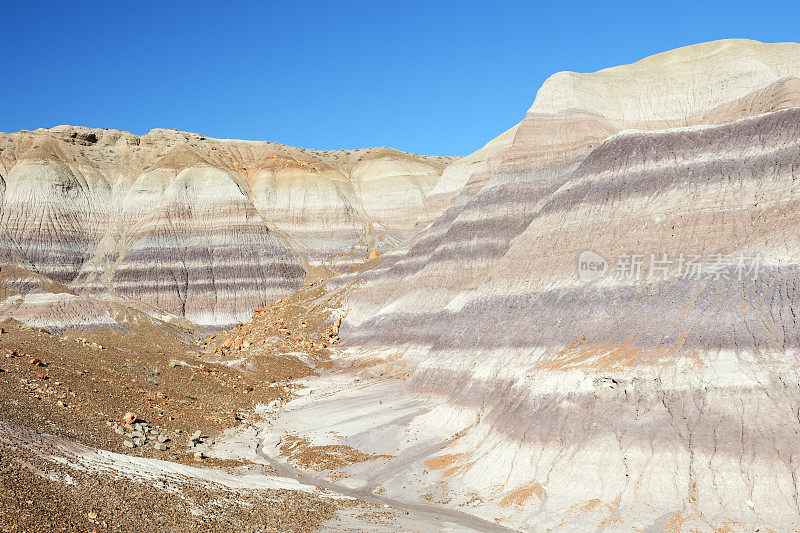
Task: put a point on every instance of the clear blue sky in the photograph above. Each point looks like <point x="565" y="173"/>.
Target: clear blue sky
<point x="438" y="78"/>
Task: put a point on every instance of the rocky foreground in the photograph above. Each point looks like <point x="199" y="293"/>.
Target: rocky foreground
<point x="111" y="429"/>
<point x="590" y="323"/>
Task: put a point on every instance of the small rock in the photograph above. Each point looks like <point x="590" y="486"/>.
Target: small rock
<point x="129" y="444"/>
<point x="119" y="430"/>
<point x="91" y="515"/>
<point x="199" y="455"/>
<point x="163" y="438"/>
<point x="160" y="446"/>
<point x="196" y="435"/>
<point x="129" y="418"/>
<point x="138" y="441"/>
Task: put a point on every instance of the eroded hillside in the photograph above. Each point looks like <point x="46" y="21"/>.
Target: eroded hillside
<point x="203" y="229"/>
<point x="590" y="323"/>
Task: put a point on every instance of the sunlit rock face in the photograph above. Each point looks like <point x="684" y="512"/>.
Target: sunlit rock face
<point x="41" y="302"/>
<point x="549" y="157"/>
<point x="204" y="229"/>
<point x="658" y="395"/>
<point x="592" y="322"/>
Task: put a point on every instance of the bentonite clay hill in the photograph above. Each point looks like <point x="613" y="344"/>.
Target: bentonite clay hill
<point x="590" y="323"/>
<point x="204" y="229"/>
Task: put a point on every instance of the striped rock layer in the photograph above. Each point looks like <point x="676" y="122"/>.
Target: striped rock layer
<point x="663" y="399"/>
<point x="40" y="302"/>
<point x="204" y="229"/>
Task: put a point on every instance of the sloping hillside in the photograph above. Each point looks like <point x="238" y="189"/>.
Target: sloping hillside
<point x="602" y="329"/>
<point x="205" y="229"/>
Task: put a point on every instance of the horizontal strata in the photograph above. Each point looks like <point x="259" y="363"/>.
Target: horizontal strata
<point x="617" y="425"/>
<point x="202" y="228"/>
<point x="38" y="301"/>
<point x="588" y="211"/>
<point x="485" y="374"/>
<point x="530" y="398"/>
<point x="675" y="316"/>
<point x="703" y="440"/>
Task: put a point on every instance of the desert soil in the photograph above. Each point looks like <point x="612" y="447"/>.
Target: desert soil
<point x="76" y="385"/>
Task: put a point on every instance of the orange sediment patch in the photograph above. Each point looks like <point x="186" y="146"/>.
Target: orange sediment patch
<point x="458" y="469"/>
<point x="605" y="512"/>
<point x="604" y="356"/>
<point x="626" y="353"/>
<point x="325" y="457"/>
<point x="443" y="461"/>
<point x="523" y="494"/>
<point x="589" y="506"/>
<point x="676" y="522"/>
<point x="730" y="525"/>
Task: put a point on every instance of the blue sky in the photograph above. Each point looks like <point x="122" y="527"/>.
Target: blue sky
<point x="431" y="78"/>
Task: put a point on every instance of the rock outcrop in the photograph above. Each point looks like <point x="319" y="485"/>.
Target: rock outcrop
<point x="591" y="323"/>
<point x="704" y="85"/>
<point x="201" y="228"/>
<point x="653" y="382"/>
<point x="39" y="302"/>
